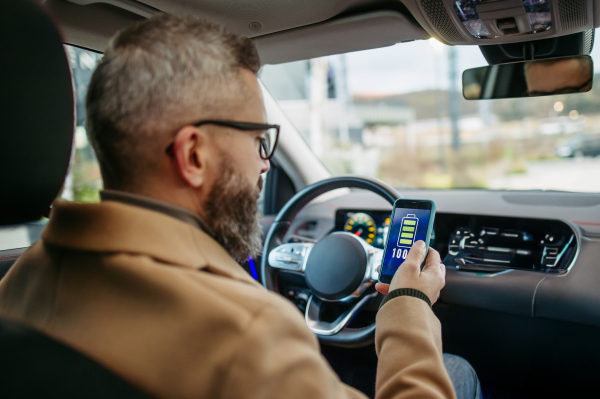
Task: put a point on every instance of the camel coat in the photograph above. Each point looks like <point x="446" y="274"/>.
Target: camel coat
<point x="162" y="304"/>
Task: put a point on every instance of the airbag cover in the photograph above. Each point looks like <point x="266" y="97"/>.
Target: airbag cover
<point x="336" y="266"/>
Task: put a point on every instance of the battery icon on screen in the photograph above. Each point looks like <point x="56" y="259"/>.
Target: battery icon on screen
<point x="408" y="230"/>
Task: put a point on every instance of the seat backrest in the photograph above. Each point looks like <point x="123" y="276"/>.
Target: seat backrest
<point x="36" y="135"/>
<point x="35" y="366"/>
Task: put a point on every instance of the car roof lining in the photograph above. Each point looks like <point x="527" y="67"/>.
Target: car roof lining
<point x="287" y="30"/>
<point x="91" y="26"/>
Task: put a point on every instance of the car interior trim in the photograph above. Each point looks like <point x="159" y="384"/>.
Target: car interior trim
<point x="135" y="7"/>
<point x="484" y="275"/>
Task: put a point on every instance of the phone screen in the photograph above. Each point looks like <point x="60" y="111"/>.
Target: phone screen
<point x="410" y="223"/>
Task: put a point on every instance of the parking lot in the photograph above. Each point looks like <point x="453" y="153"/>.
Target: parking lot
<point x="568" y="174"/>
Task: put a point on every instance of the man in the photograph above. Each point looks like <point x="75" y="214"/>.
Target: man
<point x="559" y="76"/>
<point x="146" y="282"/>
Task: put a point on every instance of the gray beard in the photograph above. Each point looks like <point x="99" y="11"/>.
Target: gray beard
<point x="231" y="211"/>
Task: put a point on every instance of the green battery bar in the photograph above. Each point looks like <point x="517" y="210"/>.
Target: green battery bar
<point x="408" y="230"/>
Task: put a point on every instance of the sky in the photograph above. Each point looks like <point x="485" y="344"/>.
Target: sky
<point x="412" y="66"/>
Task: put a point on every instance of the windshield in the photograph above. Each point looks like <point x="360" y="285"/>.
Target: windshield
<point x="397" y="113"/>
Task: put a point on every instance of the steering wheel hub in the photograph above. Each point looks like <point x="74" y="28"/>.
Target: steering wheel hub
<point x="336" y="266"/>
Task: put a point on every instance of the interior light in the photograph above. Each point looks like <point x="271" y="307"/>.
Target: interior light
<point x="252" y="268"/>
<point x="438" y="46"/>
<point x="574" y="114"/>
<point x="491" y="20"/>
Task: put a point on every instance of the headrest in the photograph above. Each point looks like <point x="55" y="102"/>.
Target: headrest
<point x="36" y="112"/>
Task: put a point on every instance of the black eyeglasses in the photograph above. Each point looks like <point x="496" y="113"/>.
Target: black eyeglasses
<point x="267" y="143"/>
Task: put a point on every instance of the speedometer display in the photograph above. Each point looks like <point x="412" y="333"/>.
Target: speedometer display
<point x="361" y="225"/>
<point x="370" y="225"/>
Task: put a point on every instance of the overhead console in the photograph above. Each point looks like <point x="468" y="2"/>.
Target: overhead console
<point x="485" y="22"/>
<point x="490" y="244"/>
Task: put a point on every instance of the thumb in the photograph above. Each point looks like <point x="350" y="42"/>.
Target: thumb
<point x="415" y="257"/>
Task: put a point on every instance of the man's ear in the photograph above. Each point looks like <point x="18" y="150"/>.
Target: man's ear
<point x="188" y="149"/>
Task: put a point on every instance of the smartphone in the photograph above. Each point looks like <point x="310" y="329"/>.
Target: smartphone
<point x="412" y="220"/>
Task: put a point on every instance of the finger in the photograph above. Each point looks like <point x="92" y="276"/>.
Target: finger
<point x="433" y="262"/>
<point x="382" y="288"/>
<point x="433" y="259"/>
<point x="415" y="256"/>
<point x="442" y="275"/>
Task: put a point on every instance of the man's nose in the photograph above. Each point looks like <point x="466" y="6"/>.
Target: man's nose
<point x="266" y="165"/>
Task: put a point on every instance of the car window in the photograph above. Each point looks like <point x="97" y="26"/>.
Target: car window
<point x="397" y="113"/>
<point x="83" y="182"/>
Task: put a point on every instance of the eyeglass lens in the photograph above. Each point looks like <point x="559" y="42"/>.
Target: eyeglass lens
<point x="267" y="143"/>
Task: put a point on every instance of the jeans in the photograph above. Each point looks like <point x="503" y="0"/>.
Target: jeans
<point x="463" y="376"/>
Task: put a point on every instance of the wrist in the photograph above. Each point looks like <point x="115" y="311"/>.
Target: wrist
<point x="398" y="292"/>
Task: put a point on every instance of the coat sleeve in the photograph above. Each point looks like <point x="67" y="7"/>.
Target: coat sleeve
<point x="280" y="358"/>
<point x="409" y="346"/>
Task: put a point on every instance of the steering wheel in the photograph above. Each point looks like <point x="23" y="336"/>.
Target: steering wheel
<point x="338" y="268"/>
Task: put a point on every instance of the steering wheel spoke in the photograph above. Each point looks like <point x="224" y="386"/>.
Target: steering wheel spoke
<point x="291" y="256"/>
<point x="375" y="259"/>
<point x="313" y="309"/>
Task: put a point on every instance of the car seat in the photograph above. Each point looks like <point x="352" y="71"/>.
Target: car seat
<point x="36" y="125"/>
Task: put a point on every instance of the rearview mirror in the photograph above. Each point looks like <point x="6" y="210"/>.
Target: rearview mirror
<point x="529" y="78"/>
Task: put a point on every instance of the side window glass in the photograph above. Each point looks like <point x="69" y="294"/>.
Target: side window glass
<point x="83" y="182"/>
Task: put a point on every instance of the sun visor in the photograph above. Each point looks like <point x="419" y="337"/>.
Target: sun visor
<point x="337" y="36"/>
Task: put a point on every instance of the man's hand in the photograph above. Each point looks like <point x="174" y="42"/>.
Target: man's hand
<point x="429" y="281"/>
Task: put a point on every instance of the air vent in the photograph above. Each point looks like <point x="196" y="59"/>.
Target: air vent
<point x="573" y="14"/>
<point x="437" y="14"/>
<point x="588" y="41"/>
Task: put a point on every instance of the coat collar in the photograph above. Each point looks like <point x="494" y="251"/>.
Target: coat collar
<point x="159" y="206"/>
<point x="116" y="227"/>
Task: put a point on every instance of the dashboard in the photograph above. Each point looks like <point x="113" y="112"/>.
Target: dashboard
<point x="525" y="253"/>
<point x="521" y="300"/>
<point x="479" y="243"/>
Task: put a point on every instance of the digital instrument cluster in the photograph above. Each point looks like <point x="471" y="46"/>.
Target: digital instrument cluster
<point x="372" y="226"/>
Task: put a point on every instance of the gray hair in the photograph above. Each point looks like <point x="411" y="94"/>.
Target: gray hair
<point x="155" y="77"/>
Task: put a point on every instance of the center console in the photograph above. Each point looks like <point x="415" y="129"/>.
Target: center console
<point x="489" y="244"/>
